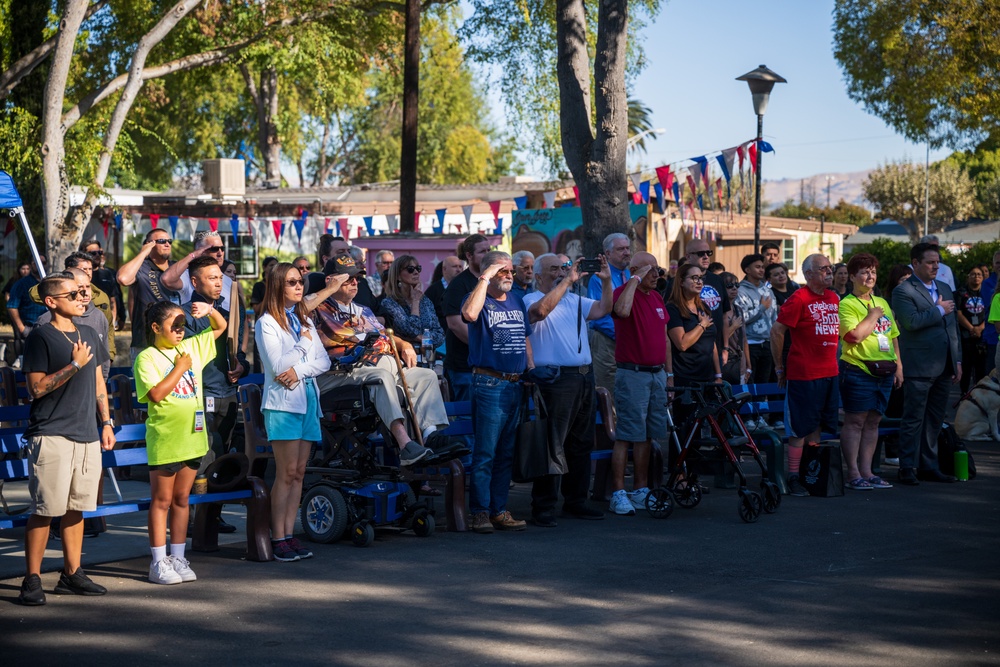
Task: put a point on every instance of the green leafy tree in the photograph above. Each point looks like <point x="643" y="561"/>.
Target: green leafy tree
<point x="889" y="253"/>
<point x="983" y="166"/>
<point x="843" y="212"/>
<point x="897" y="191"/>
<point x="928" y="68"/>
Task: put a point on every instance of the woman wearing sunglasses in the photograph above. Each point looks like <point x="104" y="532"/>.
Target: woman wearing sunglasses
<point x="292" y="354"/>
<point x="168" y="378"/>
<point x="405" y="307"/>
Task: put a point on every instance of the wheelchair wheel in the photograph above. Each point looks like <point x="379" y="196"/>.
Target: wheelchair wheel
<point x="324" y="514"/>
<point x="687" y="492"/>
<point x="750" y="505"/>
<point x="772" y="496"/>
<point x="660" y="503"/>
<point x="423" y="524"/>
<point x="362" y="534"/>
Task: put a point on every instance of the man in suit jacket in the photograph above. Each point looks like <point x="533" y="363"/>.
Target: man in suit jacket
<point x="929" y="347"/>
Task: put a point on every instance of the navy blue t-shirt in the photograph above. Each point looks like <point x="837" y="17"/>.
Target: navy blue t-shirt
<point x="496" y="339"/>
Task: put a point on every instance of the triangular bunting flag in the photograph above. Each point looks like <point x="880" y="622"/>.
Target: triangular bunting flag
<point x="118" y="221"/>
<point x="299" y="224"/>
<point x="495" y="207"/>
<point x="765" y="147"/>
<point x="521" y="202"/>
<point x="702" y="163"/>
<point x="635" y="178"/>
<point x="660" y="204"/>
<point x="154" y="220"/>
<point x="392" y="222"/>
<point x="279" y="229"/>
<point x="234" y="227"/>
<point x="326" y="225"/>
<point x="369" y="225"/>
<point x="741" y="154"/>
<point x="636" y="198"/>
<point x="576" y="194"/>
<point x="550" y="199"/>
<point x="467" y="212"/>
<point x="173" y="226"/>
<point x="343" y="229"/>
<point x="644" y="191"/>
<point x="691" y="184"/>
<point x="665" y="176"/>
<point x="104" y="225"/>
<point x="726" y="160"/>
<point x="213" y="224"/>
<point x="752" y="154"/>
<point x="440" y="213"/>
<point x="136" y="221"/>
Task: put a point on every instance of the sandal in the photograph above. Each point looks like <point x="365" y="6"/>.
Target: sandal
<point x="879" y="483"/>
<point x="860" y="484"/>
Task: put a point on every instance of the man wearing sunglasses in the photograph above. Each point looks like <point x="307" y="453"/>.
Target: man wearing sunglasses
<point x="177" y="277"/>
<point x="142" y="275"/>
<point x="92" y="317"/>
<point x="103" y="279"/>
<point x="713" y="293"/>
<point x="342" y="323"/>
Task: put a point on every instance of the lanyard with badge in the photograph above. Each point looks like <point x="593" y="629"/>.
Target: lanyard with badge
<point x="199" y="415"/>
<point x="883" y="340"/>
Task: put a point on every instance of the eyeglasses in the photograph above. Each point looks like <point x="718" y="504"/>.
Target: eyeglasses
<point x="824" y="269"/>
<point x="163" y="241"/>
<point x="566" y="265"/>
<point x="96" y="252"/>
<point x="69" y="296"/>
<point x="505" y="272"/>
<point x="702" y="253"/>
<point x="414" y="269"/>
<point x="215" y="249"/>
<point x="696" y="279"/>
<point x="294" y="282"/>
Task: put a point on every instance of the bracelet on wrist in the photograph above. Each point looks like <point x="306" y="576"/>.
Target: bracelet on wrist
<point x="74" y="364"/>
<point x="779" y="371"/>
<point x="718" y="376"/>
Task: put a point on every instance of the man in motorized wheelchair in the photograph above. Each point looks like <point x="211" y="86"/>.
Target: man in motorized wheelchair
<point x="343" y="325"/>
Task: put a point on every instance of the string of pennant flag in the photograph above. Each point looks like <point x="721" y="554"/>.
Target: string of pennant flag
<point x="671" y="179"/>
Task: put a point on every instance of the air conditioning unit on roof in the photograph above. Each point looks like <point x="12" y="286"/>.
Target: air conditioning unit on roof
<point x="224" y="178"/>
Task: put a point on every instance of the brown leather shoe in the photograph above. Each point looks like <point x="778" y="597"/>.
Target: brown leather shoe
<point x="481" y="523"/>
<point x="506" y="522"/>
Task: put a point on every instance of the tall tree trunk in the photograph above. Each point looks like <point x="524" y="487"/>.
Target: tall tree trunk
<point x="265" y="101"/>
<point x="595" y="156"/>
<point x="55" y="189"/>
<point x="411" y="97"/>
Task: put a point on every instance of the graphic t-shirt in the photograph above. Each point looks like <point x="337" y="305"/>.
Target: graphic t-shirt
<point x="70" y="410"/>
<point x="496" y="338"/>
<point x="970" y="303"/>
<point x="715" y="296"/>
<point x="814" y="320"/>
<point x="878" y="345"/>
<point x="694" y="364"/>
<point x="558" y="340"/>
<point x="456" y="356"/>
<point x="342" y="327"/>
<point x="641" y="338"/>
<point x="170" y="434"/>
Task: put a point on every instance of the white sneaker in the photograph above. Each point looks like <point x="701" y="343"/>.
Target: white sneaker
<point x="620" y="503"/>
<point x="162" y="572"/>
<point x="891" y="461"/>
<point x="750" y="424"/>
<point x="778" y="425"/>
<point x="638" y="498"/>
<point x="182" y="566"/>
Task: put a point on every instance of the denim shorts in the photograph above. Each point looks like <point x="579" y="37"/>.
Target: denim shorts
<point x="641" y="404"/>
<point x="283" y="425"/>
<point x="861" y="392"/>
<point x="811" y="405"/>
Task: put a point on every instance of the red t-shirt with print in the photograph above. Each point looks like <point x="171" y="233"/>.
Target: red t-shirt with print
<point x="814" y="320"/>
<point x="641" y="338"/>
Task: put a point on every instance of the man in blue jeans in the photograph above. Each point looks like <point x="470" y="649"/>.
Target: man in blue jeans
<point x="499" y="353"/>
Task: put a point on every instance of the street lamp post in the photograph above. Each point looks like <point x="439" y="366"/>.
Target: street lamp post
<point x="761" y="81"/>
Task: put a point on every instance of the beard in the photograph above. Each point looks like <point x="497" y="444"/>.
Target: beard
<point x="505" y="285"/>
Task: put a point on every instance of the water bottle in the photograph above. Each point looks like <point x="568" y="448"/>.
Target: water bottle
<point x="427" y="348"/>
<point x="962" y="465"/>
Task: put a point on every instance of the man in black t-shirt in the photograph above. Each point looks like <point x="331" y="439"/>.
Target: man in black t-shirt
<point x="456" y="358"/>
<point x="142" y="273"/>
<point x="62" y="365"/>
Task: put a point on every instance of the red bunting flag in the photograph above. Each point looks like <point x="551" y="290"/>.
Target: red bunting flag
<point x="691" y="184"/>
<point x="343" y="229"/>
<point x="104" y="224"/>
<point x="326" y="225"/>
<point x="276" y="226"/>
<point x="752" y="154"/>
<point x="666" y="177"/>
<point x="718" y="190"/>
<point x="576" y="194"/>
<point x="741" y="153"/>
<point x="495" y="207"/>
<point x="154" y="219"/>
<point x="213" y="224"/>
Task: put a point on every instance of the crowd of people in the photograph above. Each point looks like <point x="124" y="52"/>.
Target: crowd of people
<point x="631" y="327"/>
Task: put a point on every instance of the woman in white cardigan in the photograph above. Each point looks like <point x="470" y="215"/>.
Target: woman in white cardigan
<point x="292" y="355"/>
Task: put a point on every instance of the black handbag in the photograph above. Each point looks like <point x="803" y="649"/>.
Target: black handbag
<point x="822" y="470"/>
<point x="531" y="446"/>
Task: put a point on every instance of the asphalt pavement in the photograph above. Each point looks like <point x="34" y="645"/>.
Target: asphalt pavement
<point x="904" y="576"/>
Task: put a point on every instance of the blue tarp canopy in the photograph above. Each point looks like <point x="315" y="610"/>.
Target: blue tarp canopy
<point x="9" y="198"/>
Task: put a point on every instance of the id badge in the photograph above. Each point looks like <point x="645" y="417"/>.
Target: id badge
<point x="199" y="421"/>
<point x="210" y="404"/>
<point x="883" y="343"/>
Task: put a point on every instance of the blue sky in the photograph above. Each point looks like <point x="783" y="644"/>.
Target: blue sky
<point x="696" y="49"/>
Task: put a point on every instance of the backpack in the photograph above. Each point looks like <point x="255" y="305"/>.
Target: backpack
<point x="948" y="443"/>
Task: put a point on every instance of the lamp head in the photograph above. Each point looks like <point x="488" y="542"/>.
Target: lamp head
<point x="761" y="81"/>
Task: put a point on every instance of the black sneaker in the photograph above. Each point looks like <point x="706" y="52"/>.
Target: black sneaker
<point x="795" y="487"/>
<point x="446" y="445"/>
<point x="284" y="552"/>
<point x="32" y="594"/>
<point x="297" y="546"/>
<point x="226" y="527"/>
<point x="583" y="512"/>
<point x="78" y="583"/>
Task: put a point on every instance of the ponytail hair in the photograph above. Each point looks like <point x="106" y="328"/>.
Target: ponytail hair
<point x="157" y="312"/>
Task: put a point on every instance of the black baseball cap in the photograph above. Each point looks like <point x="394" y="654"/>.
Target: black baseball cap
<point x="342" y="264"/>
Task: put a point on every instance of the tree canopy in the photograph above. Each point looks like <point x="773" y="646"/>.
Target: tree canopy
<point x="928" y="68"/>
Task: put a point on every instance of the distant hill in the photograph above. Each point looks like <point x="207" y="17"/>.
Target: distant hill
<point x="812" y="189"/>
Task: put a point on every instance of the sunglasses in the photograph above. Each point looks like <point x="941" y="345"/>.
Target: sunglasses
<point x="505" y="272"/>
<point x="69" y="296"/>
<point x="732" y="285"/>
<point x="294" y="282"/>
<point x="566" y="265"/>
<point x="703" y="253"/>
<point x="414" y="269"/>
<point x="163" y="241"/>
<point x="304" y="267"/>
<point x="215" y="249"/>
<point x="96" y="252"/>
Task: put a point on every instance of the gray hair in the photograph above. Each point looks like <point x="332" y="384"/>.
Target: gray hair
<point x="541" y="259"/>
<point x="493" y="257"/>
<point x="609" y="241"/>
<point x="930" y="238"/>
<point x="520" y="255"/>
<point x="357" y="254"/>
<point x="807" y="263"/>
<point x="382" y="253"/>
<point x="200" y="239"/>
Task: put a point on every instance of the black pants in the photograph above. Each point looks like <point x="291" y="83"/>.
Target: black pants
<point x="973" y="362"/>
<point x="924" y="403"/>
<point x="570" y="401"/>
<point x="761" y="363"/>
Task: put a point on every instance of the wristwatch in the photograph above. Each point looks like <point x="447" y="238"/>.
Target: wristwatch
<point x="108" y="422"/>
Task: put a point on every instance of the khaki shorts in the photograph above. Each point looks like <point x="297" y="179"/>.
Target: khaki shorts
<point x="63" y="475"/>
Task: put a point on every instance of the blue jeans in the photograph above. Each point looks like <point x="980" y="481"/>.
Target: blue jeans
<point x="496" y="410"/>
<point x="460" y="385"/>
